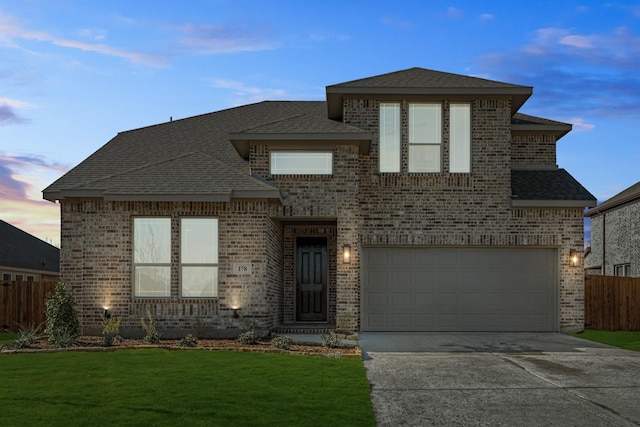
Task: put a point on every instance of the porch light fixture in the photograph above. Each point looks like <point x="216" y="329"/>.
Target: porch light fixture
<point x="235" y="312"/>
<point x="574" y="258"/>
<point x="346" y="254"/>
<point x="107" y="313"/>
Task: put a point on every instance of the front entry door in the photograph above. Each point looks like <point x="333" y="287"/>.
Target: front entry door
<point x="311" y="279"/>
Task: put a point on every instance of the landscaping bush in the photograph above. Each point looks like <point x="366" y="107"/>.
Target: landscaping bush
<point x="27" y="336"/>
<point x="110" y="329"/>
<point x="152" y="335"/>
<point x="62" y="323"/>
<point x="283" y="342"/>
<point x="188" y="341"/>
<point x="330" y="341"/>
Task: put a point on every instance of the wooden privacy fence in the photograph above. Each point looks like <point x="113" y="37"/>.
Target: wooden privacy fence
<point x="22" y="304"/>
<point x="612" y="303"/>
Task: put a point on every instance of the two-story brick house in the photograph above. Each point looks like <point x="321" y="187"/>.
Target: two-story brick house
<point x="411" y="201"/>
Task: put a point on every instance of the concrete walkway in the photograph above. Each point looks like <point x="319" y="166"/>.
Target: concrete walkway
<point x="496" y="379"/>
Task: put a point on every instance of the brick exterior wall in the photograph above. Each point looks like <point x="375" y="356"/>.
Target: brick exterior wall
<point x="356" y="205"/>
<point x="97" y="264"/>
<point x="620" y="243"/>
<point x="533" y="149"/>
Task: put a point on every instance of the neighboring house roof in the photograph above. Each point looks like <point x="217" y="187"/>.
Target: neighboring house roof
<point x="19" y="249"/>
<point x="420" y="81"/>
<point x="631" y="194"/>
<point x="188" y="159"/>
<point x="549" y="187"/>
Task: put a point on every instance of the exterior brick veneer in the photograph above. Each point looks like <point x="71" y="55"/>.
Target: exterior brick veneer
<point x="355" y="205"/>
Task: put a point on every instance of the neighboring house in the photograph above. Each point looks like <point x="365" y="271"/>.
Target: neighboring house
<point x="24" y="257"/>
<point x="411" y="201"/>
<point x="615" y="235"/>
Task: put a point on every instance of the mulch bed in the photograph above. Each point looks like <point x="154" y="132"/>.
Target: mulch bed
<point x="95" y="344"/>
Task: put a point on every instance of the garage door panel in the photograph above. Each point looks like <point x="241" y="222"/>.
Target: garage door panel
<point x="459" y="289"/>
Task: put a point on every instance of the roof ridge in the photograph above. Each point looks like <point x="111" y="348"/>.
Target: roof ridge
<point x="272" y="122"/>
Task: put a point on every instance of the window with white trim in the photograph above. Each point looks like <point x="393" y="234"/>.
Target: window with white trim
<point x="199" y="257"/>
<point x="425" y="137"/>
<point x="390" y="129"/>
<point x="460" y="138"/>
<point x="301" y="163"/>
<point x="152" y="257"/>
<point x="622" y="270"/>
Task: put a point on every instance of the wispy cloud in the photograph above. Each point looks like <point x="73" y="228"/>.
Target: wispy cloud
<point x="580" y="125"/>
<point x="486" y="17"/>
<point x="453" y="12"/>
<point x="594" y="74"/>
<point x="211" y="39"/>
<point x="398" y="23"/>
<point x="22" y="177"/>
<point x="247" y="93"/>
<point x="8" y="116"/>
<point x="11" y="31"/>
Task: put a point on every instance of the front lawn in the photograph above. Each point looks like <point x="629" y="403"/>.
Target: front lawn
<point x="182" y="387"/>
<point x="8" y="338"/>
<point x="629" y="340"/>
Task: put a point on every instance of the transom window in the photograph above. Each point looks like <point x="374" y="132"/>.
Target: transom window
<point x="425" y="137"/>
<point x="301" y="163"/>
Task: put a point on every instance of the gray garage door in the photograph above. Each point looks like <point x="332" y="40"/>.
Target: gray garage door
<point x="461" y="289"/>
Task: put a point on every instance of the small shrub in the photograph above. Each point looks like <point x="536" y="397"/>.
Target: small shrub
<point x="62" y="318"/>
<point x="110" y="329"/>
<point x="28" y="335"/>
<point x="249" y="337"/>
<point x="151" y="332"/>
<point x="188" y="341"/>
<point x="330" y="341"/>
<point x="282" y="342"/>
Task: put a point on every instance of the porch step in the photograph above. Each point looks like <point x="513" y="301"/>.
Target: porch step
<point x="304" y="328"/>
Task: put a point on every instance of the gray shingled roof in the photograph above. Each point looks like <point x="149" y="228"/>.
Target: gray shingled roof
<point x="20" y="249"/>
<point x="421" y="81"/>
<point x="629" y="195"/>
<point x="548" y="185"/>
<point x="188" y="157"/>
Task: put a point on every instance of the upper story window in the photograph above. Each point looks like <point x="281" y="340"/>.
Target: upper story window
<point x="301" y="163"/>
<point x="390" y="127"/>
<point x="425" y="137"/>
<point x="622" y="270"/>
<point x="460" y="138"/>
<point x="152" y="257"/>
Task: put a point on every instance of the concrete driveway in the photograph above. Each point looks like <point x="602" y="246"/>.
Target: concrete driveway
<point x="500" y="379"/>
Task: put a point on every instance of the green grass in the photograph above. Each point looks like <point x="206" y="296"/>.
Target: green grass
<point x="8" y="337"/>
<point x="629" y="340"/>
<point x="182" y="387"/>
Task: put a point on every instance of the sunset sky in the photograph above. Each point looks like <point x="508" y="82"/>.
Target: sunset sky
<point x="75" y="73"/>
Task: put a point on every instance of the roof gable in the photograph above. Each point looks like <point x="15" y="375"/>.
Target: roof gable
<point x="421" y="81"/>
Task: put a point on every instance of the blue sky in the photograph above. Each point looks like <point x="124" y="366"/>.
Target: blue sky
<point x="74" y="73"/>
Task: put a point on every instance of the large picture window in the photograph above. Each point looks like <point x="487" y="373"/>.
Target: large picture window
<point x="460" y="138"/>
<point x="390" y="128"/>
<point x="301" y="163"/>
<point x="199" y="257"/>
<point x="425" y="137"/>
<point x="152" y="257"/>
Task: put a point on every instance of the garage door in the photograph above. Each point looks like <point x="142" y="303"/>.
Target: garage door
<point x="461" y="289"/>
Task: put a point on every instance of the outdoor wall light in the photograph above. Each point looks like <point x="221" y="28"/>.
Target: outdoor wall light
<point x="107" y="313"/>
<point x="346" y="254"/>
<point x="574" y="258"/>
<point x="235" y="312"/>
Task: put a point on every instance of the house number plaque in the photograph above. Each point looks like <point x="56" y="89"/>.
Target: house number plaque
<point x="241" y="268"/>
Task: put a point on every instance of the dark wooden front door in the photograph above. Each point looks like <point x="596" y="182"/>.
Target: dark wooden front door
<point x="311" y="279"/>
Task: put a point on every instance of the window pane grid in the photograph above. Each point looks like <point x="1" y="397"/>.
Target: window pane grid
<point x="152" y="257"/>
<point x="199" y="257"/>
